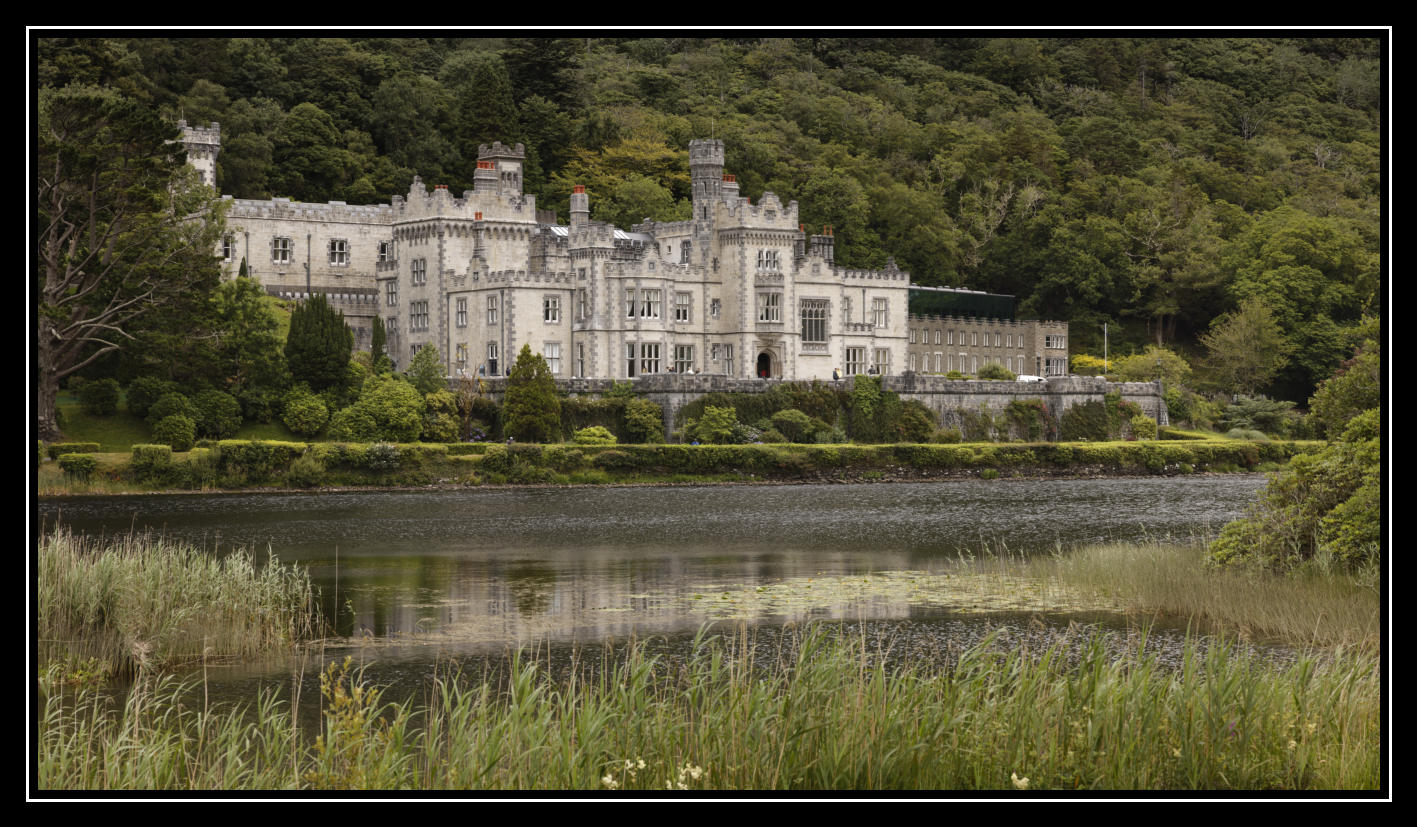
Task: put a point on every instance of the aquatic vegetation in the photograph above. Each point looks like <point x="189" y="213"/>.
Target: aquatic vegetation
<point x="825" y="718"/>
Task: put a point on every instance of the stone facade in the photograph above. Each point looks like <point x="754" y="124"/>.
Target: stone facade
<point x="940" y="344"/>
<point x="739" y="290"/>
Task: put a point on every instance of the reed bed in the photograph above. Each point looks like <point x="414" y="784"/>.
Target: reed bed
<point x="827" y="719"/>
<point x="142" y="601"/>
<point x="1309" y="609"/>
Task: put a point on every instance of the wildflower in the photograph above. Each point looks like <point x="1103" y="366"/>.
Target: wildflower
<point x="1019" y="783"/>
<point x="1311" y="726"/>
<point x="1293" y="743"/>
<point x="609" y="783"/>
<point x="1176" y="753"/>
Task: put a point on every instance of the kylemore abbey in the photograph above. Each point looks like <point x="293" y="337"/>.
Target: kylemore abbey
<point x="739" y="290"/>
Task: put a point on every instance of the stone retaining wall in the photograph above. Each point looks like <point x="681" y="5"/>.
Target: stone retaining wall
<point x="943" y="396"/>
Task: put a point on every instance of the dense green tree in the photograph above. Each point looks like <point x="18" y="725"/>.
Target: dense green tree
<point x="483" y="107"/>
<point x="1245" y="349"/>
<point x="426" y="371"/>
<point x="532" y="409"/>
<point x="309" y="159"/>
<point x="318" y="346"/>
<point x="114" y="243"/>
<point x="1355" y="388"/>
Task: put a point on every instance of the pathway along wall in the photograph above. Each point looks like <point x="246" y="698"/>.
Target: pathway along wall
<point x="946" y="397"/>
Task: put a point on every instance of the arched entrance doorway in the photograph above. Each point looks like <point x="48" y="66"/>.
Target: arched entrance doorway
<point x="764" y="366"/>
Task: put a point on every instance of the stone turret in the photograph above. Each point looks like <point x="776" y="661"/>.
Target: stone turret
<point x="706" y="171"/>
<point x="202" y="144"/>
<point x="507" y="161"/>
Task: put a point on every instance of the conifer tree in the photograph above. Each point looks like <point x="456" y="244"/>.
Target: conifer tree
<point x="532" y="409"/>
<point x="378" y="359"/>
<point x="319" y="344"/>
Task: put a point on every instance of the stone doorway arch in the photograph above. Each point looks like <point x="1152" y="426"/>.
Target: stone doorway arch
<point x="764" y="366"/>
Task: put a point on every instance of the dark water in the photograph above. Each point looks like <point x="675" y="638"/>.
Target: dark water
<point x="412" y="577"/>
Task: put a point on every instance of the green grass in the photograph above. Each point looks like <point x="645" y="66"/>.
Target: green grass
<point x="826" y="718"/>
<point x="140" y="601"/>
<point x="121" y="431"/>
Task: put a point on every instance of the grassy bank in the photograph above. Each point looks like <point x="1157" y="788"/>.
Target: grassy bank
<point x="123" y="604"/>
<point x="239" y="464"/>
<point x="829" y="719"/>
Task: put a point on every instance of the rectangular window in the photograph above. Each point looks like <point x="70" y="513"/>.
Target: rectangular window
<point x="881" y="360"/>
<point x="685" y="250"/>
<point x="728" y="365"/>
<point x="418" y="315"/>
<point x="845" y="310"/>
<point x="630" y="359"/>
<point x="769" y="260"/>
<point x="384" y="250"/>
<point x="551" y="309"/>
<point x="391" y="292"/>
<point x="996" y="340"/>
<point x="1008" y="340"/>
<point x="938" y="363"/>
<point x="769" y="307"/>
<point x="912" y="335"/>
<point x="580" y="274"/>
<point x="280" y="250"/>
<point x="878" y="312"/>
<point x="1056" y="367"/>
<point x="855" y="360"/>
<point x="681" y="306"/>
<point x="649" y="304"/>
<point x="912" y="361"/>
<point x="649" y="358"/>
<point x="491" y="309"/>
<point x="580" y="360"/>
<point x="582" y="309"/>
<point x="814" y="320"/>
<point x="974" y="339"/>
<point x="1054" y="341"/>
<point x="630" y="304"/>
<point x="937" y="338"/>
<point x="683" y="358"/>
<point x="491" y="358"/>
<point x="339" y="253"/>
<point x="462" y="312"/>
<point x="462" y="359"/>
<point x="228" y="248"/>
<point x="715" y="307"/>
<point x="552" y="352"/>
<point x="420" y="271"/>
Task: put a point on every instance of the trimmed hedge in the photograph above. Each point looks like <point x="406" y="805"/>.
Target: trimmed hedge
<point x="78" y="465"/>
<point x="57" y="448"/>
<point x="241" y="462"/>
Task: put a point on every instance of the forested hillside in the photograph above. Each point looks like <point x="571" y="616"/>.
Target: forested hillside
<point x="1152" y="184"/>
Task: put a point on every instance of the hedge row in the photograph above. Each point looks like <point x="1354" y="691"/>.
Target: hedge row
<point x="57" y="448"/>
<point x="234" y="463"/>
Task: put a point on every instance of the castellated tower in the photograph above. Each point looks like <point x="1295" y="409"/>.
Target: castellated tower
<point x="706" y="170"/>
<point x="507" y="161"/>
<point x="202" y="144"/>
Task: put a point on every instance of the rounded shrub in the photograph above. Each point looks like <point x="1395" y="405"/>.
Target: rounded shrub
<point x="996" y="371"/>
<point x="145" y="390"/>
<point x="305" y="413"/>
<point x="176" y="430"/>
<point x="218" y="414"/>
<point x="172" y="404"/>
<point x="594" y="435"/>
<point x="150" y="459"/>
<point x="99" y="397"/>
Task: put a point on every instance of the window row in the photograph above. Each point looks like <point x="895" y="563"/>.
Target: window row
<point x="972" y="338"/>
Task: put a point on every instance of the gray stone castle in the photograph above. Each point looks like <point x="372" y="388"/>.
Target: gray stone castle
<point x="739" y="290"/>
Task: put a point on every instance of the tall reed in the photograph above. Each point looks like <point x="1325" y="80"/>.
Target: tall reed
<point x="824" y="719"/>
<point x="142" y="600"/>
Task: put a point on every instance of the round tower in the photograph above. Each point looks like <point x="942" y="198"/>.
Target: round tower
<point x="706" y="171"/>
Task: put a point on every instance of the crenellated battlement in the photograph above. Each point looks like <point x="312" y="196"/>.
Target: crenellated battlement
<point x="284" y="208"/>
